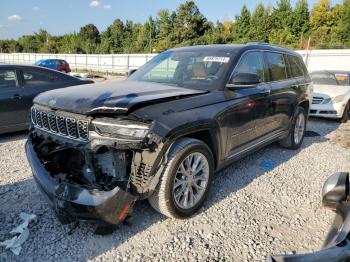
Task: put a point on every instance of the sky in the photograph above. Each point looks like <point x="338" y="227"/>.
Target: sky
<point x="20" y="17"/>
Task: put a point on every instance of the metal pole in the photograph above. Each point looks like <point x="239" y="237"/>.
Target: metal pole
<point x="150" y="37"/>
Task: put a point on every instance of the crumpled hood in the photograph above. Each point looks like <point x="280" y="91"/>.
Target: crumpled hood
<point x="110" y="97"/>
<point x="330" y="90"/>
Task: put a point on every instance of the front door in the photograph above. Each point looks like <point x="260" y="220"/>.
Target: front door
<point x="250" y="104"/>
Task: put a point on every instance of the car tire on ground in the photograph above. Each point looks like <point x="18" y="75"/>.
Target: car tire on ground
<point x="345" y="116"/>
<point x="297" y="130"/>
<point x="186" y="179"/>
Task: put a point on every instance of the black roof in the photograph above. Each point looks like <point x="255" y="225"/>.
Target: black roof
<point x="235" y="48"/>
<point x="16" y="66"/>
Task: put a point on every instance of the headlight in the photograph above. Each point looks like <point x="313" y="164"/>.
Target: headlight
<point x="338" y="99"/>
<point x="125" y="129"/>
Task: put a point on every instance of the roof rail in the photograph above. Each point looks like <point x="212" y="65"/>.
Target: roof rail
<point x="264" y="43"/>
<point x="257" y="43"/>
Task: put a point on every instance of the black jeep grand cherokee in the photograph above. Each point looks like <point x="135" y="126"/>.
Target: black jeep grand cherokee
<point x="161" y="134"/>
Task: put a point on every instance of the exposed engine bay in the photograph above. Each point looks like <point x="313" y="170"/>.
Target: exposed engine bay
<point x="103" y="170"/>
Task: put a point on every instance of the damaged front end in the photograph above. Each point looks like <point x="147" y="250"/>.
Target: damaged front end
<point x="93" y="168"/>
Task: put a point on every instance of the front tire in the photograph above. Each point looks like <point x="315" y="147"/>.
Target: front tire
<point x="345" y="116"/>
<point x="297" y="131"/>
<point x="186" y="180"/>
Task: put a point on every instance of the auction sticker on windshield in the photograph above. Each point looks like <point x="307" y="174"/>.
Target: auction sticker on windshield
<point x="219" y="59"/>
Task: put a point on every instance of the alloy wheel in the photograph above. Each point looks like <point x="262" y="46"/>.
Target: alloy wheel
<point x="299" y="128"/>
<point x="191" y="180"/>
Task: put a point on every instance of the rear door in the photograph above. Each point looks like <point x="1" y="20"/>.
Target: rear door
<point x="284" y="90"/>
<point x="250" y="107"/>
<point x="11" y="106"/>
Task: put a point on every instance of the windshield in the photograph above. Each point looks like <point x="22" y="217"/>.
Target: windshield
<point x="324" y="78"/>
<point x="194" y="69"/>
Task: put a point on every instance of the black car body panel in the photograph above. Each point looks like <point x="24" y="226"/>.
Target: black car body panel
<point x="114" y="96"/>
<point x="231" y="121"/>
<point x="17" y="98"/>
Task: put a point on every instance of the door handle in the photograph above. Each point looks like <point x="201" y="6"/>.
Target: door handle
<point x="17" y="96"/>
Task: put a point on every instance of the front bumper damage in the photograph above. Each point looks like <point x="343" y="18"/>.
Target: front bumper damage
<point x="99" y="180"/>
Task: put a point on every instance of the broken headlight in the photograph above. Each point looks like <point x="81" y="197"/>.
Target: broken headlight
<point x="125" y="129"/>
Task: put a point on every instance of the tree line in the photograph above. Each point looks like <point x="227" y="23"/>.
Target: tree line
<point x="323" y="26"/>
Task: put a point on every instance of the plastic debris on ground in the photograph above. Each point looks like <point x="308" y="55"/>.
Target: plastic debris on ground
<point x="267" y="165"/>
<point x="21" y="233"/>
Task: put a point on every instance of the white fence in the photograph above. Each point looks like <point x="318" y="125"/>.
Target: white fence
<point x="102" y="63"/>
<point x="330" y="59"/>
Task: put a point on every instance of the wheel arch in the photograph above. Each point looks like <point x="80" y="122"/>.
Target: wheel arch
<point x="306" y="105"/>
<point x="207" y="132"/>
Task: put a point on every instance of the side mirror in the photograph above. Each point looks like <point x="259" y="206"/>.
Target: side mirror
<point x="243" y="80"/>
<point x="131" y="72"/>
<point x="335" y="190"/>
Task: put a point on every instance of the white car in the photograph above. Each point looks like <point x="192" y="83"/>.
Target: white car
<point x="331" y="94"/>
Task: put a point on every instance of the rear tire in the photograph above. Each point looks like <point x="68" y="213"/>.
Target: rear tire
<point x="345" y="116"/>
<point x="297" y="131"/>
<point x="186" y="179"/>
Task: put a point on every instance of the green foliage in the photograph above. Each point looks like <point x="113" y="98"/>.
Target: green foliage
<point x="327" y="25"/>
<point x="243" y="23"/>
<point x="189" y="23"/>
<point x="343" y="14"/>
<point x="301" y="18"/>
<point x="282" y="16"/>
<point x="283" y="37"/>
<point x="260" y="24"/>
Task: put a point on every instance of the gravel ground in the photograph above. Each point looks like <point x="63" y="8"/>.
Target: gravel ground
<point x="251" y="212"/>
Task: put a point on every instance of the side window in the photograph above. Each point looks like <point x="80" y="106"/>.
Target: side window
<point x="7" y="79"/>
<point x="275" y="66"/>
<point x="251" y="63"/>
<point x="295" y="67"/>
<point x="35" y="78"/>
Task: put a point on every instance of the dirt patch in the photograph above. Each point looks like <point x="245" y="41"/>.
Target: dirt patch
<point x="341" y="136"/>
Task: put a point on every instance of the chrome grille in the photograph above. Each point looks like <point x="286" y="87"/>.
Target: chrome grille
<point x="60" y="125"/>
<point x="317" y="100"/>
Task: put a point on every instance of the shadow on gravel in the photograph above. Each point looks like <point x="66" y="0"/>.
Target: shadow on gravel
<point x="13" y="137"/>
<point x="51" y="241"/>
<point x="237" y="177"/>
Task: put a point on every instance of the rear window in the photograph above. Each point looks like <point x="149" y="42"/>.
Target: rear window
<point x="35" y="78"/>
<point x="275" y="66"/>
<point x="7" y="78"/>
